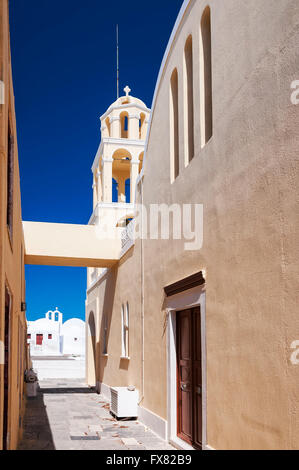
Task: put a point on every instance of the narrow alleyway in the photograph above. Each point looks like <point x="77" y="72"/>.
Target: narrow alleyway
<point x="67" y="415"/>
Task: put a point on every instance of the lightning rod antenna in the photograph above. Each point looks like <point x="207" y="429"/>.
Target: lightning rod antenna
<point x="117" y="58"/>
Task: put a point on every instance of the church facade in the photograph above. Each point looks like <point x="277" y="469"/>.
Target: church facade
<point x="49" y="336"/>
<point x="206" y="335"/>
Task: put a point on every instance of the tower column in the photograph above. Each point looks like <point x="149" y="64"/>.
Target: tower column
<point x="115" y="127"/>
<point x="94" y="187"/>
<point x="104" y="131"/>
<point x="134" y="176"/>
<point x="99" y="186"/>
<point x="107" y="179"/>
<point x="134" y="126"/>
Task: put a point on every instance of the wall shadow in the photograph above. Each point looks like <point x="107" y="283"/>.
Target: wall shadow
<point x="124" y="364"/>
<point x="37" y="433"/>
<point x="59" y="391"/>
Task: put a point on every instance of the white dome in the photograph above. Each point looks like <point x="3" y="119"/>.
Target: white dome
<point x="126" y="101"/>
<point x="73" y="333"/>
<point x="73" y="323"/>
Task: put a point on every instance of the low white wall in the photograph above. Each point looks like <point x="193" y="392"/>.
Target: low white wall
<point x="60" y="368"/>
<point x="154" y="422"/>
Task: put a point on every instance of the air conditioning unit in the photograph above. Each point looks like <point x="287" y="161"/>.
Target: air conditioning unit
<point x="124" y="402"/>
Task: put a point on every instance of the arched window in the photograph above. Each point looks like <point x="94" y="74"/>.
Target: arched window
<point x="174" y="126"/>
<point x="105" y="335"/>
<point x="124" y="125"/>
<point x="206" y="106"/>
<point x="188" y="101"/>
<point x="114" y="190"/>
<point x="91" y="350"/>
<point x="125" y="330"/>
<point x="128" y="190"/>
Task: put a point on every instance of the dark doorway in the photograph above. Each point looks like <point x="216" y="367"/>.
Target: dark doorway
<point x="189" y="362"/>
<point x="6" y="367"/>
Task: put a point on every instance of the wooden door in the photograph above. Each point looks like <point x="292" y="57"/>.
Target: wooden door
<point x="189" y="376"/>
<point x="6" y="368"/>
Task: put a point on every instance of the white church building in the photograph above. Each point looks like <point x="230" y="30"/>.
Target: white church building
<point x="49" y="336"/>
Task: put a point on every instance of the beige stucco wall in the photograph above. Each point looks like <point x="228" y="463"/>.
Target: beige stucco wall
<point x="11" y="254"/>
<point x="246" y="178"/>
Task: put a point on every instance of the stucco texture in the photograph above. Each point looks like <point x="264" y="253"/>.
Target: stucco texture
<point x="11" y="255"/>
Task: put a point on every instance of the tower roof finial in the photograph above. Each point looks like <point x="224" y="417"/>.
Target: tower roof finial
<point x="127" y="90"/>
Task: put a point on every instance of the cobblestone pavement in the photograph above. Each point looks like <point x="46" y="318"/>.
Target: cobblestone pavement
<point x="68" y="415"/>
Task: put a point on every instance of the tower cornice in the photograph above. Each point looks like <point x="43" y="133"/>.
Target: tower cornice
<point x="123" y="107"/>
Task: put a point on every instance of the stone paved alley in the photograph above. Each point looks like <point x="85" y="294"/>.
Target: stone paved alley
<point x="68" y="415"/>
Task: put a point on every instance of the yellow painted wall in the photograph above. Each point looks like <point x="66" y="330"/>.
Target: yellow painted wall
<point x="11" y="251"/>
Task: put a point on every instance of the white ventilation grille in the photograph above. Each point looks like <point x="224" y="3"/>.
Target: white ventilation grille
<point x="124" y="403"/>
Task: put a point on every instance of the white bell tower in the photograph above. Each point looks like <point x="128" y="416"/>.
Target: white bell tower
<point x="117" y="164"/>
<point x="119" y="158"/>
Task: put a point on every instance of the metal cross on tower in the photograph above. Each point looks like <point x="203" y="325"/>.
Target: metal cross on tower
<point x="127" y="90"/>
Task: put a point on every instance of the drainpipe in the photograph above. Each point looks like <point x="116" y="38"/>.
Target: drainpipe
<point x="142" y="296"/>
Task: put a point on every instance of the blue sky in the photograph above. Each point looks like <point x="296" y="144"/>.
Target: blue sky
<point x="63" y="59"/>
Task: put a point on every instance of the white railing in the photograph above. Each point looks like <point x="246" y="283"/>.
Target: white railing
<point x="94" y="275"/>
<point x="128" y="237"/>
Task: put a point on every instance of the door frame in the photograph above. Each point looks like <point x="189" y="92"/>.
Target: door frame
<point x="7" y="399"/>
<point x="192" y="339"/>
<point x="192" y="298"/>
